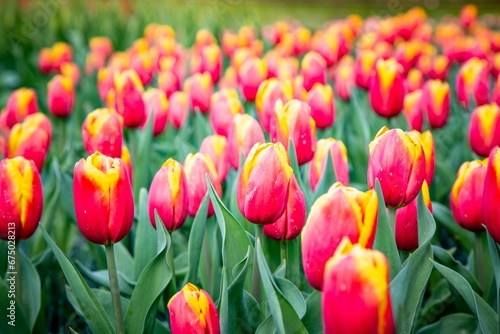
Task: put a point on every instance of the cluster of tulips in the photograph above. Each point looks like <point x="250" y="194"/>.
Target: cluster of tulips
<point x="271" y="104"/>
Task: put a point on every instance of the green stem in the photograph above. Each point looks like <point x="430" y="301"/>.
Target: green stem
<point x="171" y="263"/>
<point x="115" y="291"/>
<point x="479" y="258"/>
<point x="284" y="254"/>
<point x="255" y="274"/>
<point x="62" y="129"/>
<point x="208" y="258"/>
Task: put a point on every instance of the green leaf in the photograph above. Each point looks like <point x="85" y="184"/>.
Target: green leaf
<point x="150" y="285"/>
<point x="141" y="156"/>
<point x="384" y="236"/>
<point x="327" y="179"/>
<point x="124" y="262"/>
<point x="30" y="289"/>
<point x="487" y="318"/>
<point x="101" y="277"/>
<point x="292" y="154"/>
<point x="445" y="218"/>
<point x="495" y="259"/>
<point x="453" y="323"/>
<point x="313" y="319"/>
<point x="267" y="326"/>
<point x="92" y="310"/>
<point x="195" y="241"/>
<point x="292" y="295"/>
<point x="145" y="239"/>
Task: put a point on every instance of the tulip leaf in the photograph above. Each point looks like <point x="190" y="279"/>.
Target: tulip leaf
<point x="195" y="241"/>
<point x="145" y="238"/>
<point x="150" y="285"/>
<point x="292" y="155"/>
<point x="445" y="218"/>
<point x="101" y="277"/>
<point x="267" y="326"/>
<point x="408" y="287"/>
<point x="453" y="323"/>
<point x="327" y="179"/>
<point x="142" y="154"/>
<point x="495" y="259"/>
<point x="313" y="319"/>
<point x="21" y="323"/>
<point x="67" y="201"/>
<point x="124" y="262"/>
<point x="487" y="318"/>
<point x="92" y="310"/>
<point x="292" y="295"/>
<point x="30" y="289"/>
<point x="384" y="236"/>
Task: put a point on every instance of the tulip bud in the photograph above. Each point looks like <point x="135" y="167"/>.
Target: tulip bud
<point x="427" y="141"/>
<point x="412" y="110"/>
<point x="250" y="75"/>
<point x="101" y="45"/>
<point x="156" y="104"/>
<point x="313" y="70"/>
<point x="338" y="152"/>
<point x="199" y="88"/>
<point x="344" y="78"/>
<point x="473" y="82"/>
<point x="144" y="67"/>
<point x="270" y="91"/>
<point x="45" y="61"/>
<point x="21" y="198"/>
<point x="168" y="195"/>
<point x="491" y="195"/>
<point x="436" y="102"/>
<point x="196" y="166"/>
<point x="224" y="105"/>
<point x="61" y="96"/>
<point x="439" y="67"/>
<point x="414" y="80"/>
<point x="484" y="129"/>
<point x="60" y="53"/>
<point x="21" y="103"/>
<point x="102" y="131"/>
<point x="406" y="232"/>
<point x="178" y="109"/>
<point x="244" y="133"/>
<point x="356" y="218"/>
<point x="407" y="54"/>
<point x="363" y="66"/>
<point x="126" y="98"/>
<point x="402" y="172"/>
<point x="264" y="162"/>
<point x="290" y="224"/>
<point x="357" y="279"/>
<point x="104" y="204"/>
<point x="31" y="139"/>
<point x="386" y="88"/>
<point x="293" y="121"/>
<point x="215" y="147"/>
<point x="322" y="102"/>
<point x="168" y="83"/>
<point x="468" y="15"/>
<point x="211" y="61"/>
<point x="192" y="310"/>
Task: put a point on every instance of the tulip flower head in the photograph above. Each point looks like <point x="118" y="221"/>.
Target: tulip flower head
<point x="156" y="104"/>
<point x="102" y="131"/>
<point x="322" y="103"/>
<point x="412" y="110"/>
<point x="338" y="152"/>
<point x="61" y="96"/>
<point x="491" y="195"/>
<point x="386" y="88"/>
<point x="244" y="133"/>
<point x="436" y="102"/>
<point x="224" y="105"/>
<point x="21" y="103"/>
<point x="473" y="83"/>
<point x="484" y="129"/>
<point x="313" y="69"/>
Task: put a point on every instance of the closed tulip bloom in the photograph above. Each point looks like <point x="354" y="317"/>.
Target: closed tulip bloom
<point x="101" y="45"/>
<point x="468" y="15"/>
<point x="293" y="121"/>
<point x="105" y="82"/>
<point x="397" y="159"/>
<point x="156" y="104"/>
<point x="143" y="65"/>
<point x="192" y="310"/>
<point x="168" y="195"/>
<point x="104" y="204"/>
<point x="491" y="195"/>
<point x="270" y="91"/>
<point x="406" y="231"/>
<point x="168" y="82"/>
<point x="484" y="129"/>
<point x="427" y="141"/>
<point x="31" y="139"/>
<point x="215" y="147"/>
<point x="363" y="66"/>
<point x="196" y="166"/>
<point x="211" y="61"/>
<point x="412" y="110"/>
<point x="199" y="88"/>
<point x="264" y="162"/>
<point x="436" y="102"/>
<point x="127" y="160"/>
<point x="466" y="197"/>
<point x="338" y="152"/>
<point x="225" y="104"/>
<point x="178" y="109"/>
<point x="344" y="78"/>
<point x="102" y="131"/>
<point x="473" y="82"/>
<point x="357" y="279"/>
<point x="313" y="69"/>
<point x="322" y="102"/>
<point x="290" y="224"/>
<point x="61" y="96"/>
<point x="60" y="53"/>
<point x="45" y="61"/>
<point x="439" y="67"/>
<point x="341" y="212"/>
<point x="250" y="75"/>
<point x="126" y="98"/>
<point x="414" y="80"/>
<point x="21" y="103"/>
<point x="386" y="88"/>
<point x="244" y="133"/>
<point x="21" y="198"/>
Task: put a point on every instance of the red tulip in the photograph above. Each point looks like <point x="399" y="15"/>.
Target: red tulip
<point x="224" y="105"/>
<point x="215" y="147"/>
<point x="199" y="88"/>
<point x="313" y="69"/>
<point x="244" y="133"/>
<point x="344" y="78"/>
<point x="126" y="98"/>
<point x="72" y="71"/>
<point x="473" y="82"/>
<point x="386" y="88"/>
<point x="156" y="104"/>
<point x="322" y="103"/>
<point x="436" y="102"/>
<point x="21" y="103"/>
<point x="468" y="15"/>
<point x="491" y="195"/>
<point x="427" y="141"/>
<point x="270" y="91"/>
<point x="414" y="80"/>
<point x="338" y="152"/>
<point x="484" y="129"/>
<point x="250" y="75"/>
<point x="363" y="66"/>
<point x="144" y="67"/>
<point x="102" y="131"/>
<point x="168" y="83"/>
<point x="211" y="61"/>
<point x="61" y="96"/>
<point x="439" y="67"/>
<point x="412" y="110"/>
<point x="178" y="109"/>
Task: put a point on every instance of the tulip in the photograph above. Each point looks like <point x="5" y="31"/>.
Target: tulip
<point x="468" y="15"/>
<point x="363" y="66"/>
<point x="224" y="105"/>
<point x="264" y="162"/>
<point x="168" y="196"/>
<point x="105" y="81"/>
<point x="491" y="195"/>
<point x="301" y="38"/>
<point x="178" y="109"/>
<point x="45" y="61"/>
<point x="102" y="131"/>
<point x="119" y="61"/>
<point x="31" y="139"/>
<point x="72" y="71"/>
<point x="439" y="67"/>
<point x="344" y="78"/>
<point x="211" y="61"/>
<point x="126" y="98"/>
<point x="290" y="224"/>
<point x="127" y="160"/>
<point x="427" y="141"/>
<point x="386" y="88"/>
<point x="313" y="69"/>
<point x="21" y="103"/>
<point x="484" y="129"/>
<point x="250" y="75"/>
<point x="61" y="96"/>
<point x="243" y="134"/>
<point x="156" y="104"/>
<point x="338" y="152"/>
<point x="355" y="215"/>
<point x="406" y="232"/>
<point x="357" y="279"/>
<point x="215" y="147"/>
<point x="412" y="110"/>
<point x="436" y="102"/>
<point x="199" y="88"/>
<point x="414" y="80"/>
<point x="322" y="102"/>
<point x="60" y="53"/>
<point x="230" y="78"/>
<point x="407" y="54"/>
<point x="94" y="62"/>
<point x="293" y="121"/>
<point x="101" y="45"/>
<point x="397" y="160"/>
<point x="196" y="166"/>
<point x="143" y="66"/>
<point x="104" y="204"/>
<point x="473" y="82"/>
<point x="168" y="83"/>
<point x="21" y="198"/>
<point x="192" y="310"/>
<point x="270" y="91"/>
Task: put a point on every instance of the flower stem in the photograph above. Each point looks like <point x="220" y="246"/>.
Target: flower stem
<point x="171" y="264"/>
<point x="479" y="258"/>
<point x="255" y="274"/>
<point x="284" y="254"/>
<point x="115" y="292"/>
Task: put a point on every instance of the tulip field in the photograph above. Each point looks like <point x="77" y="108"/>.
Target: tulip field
<point x="276" y="176"/>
